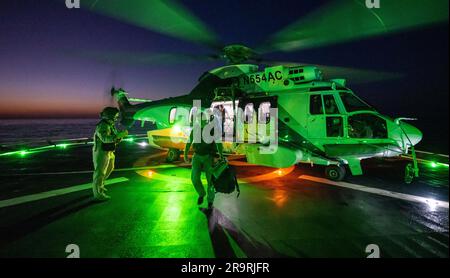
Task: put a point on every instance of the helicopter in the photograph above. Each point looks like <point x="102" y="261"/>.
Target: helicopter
<point x="319" y="121"/>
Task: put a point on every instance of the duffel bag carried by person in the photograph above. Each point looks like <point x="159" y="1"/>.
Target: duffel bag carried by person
<point x="224" y="178"/>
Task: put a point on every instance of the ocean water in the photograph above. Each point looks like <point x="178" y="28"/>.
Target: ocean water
<point x="31" y="130"/>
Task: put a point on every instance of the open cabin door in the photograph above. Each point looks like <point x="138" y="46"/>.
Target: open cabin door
<point x="226" y="116"/>
<point x="255" y="118"/>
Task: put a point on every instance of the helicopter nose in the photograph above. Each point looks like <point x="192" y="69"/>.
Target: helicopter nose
<point x="413" y="133"/>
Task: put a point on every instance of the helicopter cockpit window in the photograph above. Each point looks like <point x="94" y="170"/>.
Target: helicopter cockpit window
<point x="352" y="103"/>
<point x="315" y="105"/>
<point x="330" y="104"/>
<point x="368" y="126"/>
<point x="172" y="114"/>
<point x="335" y="127"/>
<point x="248" y="113"/>
<point x="264" y="113"/>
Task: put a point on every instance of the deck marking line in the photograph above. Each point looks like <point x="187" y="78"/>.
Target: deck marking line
<point x="382" y="192"/>
<point x="53" y="193"/>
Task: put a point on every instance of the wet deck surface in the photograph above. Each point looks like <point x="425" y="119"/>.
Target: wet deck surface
<point x="153" y="212"/>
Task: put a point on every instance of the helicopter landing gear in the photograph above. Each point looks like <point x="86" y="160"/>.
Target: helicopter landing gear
<point x="173" y="155"/>
<point x="411" y="168"/>
<point x="409" y="173"/>
<point x="335" y="172"/>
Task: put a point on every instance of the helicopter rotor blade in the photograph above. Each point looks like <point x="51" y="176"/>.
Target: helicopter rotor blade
<point x="358" y="76"/>
<point x="346" y="20"/>
<point x="141" y="58"/>
<point x="355" y="75"/>
<point x="111" y="81"/>
<point x="167" y="17"/>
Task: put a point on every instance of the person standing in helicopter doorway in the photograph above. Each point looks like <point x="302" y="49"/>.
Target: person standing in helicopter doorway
<point x="106" y="138"/>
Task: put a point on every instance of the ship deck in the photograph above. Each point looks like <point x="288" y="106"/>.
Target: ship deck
<point x="46" y="204"/>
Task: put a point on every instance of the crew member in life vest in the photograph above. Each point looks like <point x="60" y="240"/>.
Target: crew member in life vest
<point x="106" y="138"/>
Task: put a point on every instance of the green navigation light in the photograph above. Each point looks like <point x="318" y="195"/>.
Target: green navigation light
<point x="434" y="164"/>
<point x="62" y="146"/>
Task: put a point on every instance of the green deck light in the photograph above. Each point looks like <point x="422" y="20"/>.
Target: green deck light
<point x="434" y="164"/>
<point x="23" y="153"/>
<point x="62" y="146"/>
<point x="143" y="144"/>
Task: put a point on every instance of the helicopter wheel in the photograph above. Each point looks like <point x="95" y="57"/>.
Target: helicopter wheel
<point x="335" y="172"/>
<point x="173" y="155"/>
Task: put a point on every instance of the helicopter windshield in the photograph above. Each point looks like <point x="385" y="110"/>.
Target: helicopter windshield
<point x="352" y="103"/>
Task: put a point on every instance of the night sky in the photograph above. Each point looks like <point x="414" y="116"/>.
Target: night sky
<point x="41" y="74"/>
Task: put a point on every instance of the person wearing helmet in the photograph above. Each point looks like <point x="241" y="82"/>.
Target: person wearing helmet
<point x="106" y="138"/>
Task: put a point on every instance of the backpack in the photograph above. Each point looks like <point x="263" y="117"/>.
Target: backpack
<point x="224" y="178"/>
